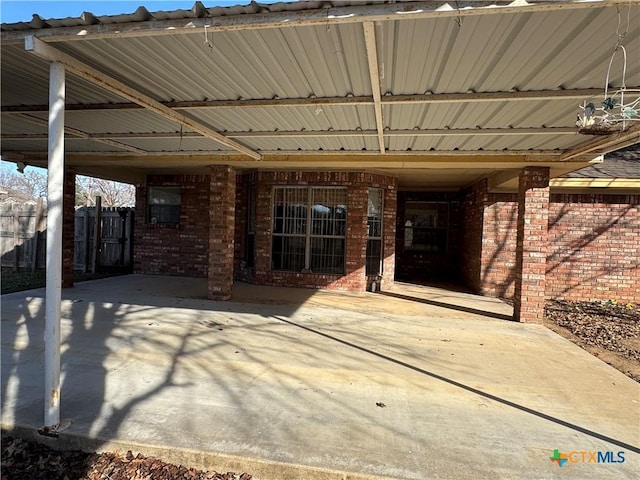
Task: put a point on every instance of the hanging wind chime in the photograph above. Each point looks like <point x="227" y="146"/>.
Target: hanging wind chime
<point x="619" y="107"/>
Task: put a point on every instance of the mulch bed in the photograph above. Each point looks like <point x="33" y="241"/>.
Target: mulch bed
<point x="608" y="330"/>
<point x="23" y="460"/>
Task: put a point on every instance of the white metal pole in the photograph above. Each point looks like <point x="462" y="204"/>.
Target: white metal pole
<point x="54" y="246"/>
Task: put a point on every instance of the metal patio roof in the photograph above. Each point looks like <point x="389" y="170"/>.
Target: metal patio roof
<point x="438" y="94"/>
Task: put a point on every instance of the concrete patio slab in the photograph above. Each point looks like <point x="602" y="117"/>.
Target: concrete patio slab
<point x="290" y="383"/>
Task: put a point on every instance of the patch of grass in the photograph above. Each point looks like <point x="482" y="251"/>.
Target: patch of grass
<point x="25" y="279"/>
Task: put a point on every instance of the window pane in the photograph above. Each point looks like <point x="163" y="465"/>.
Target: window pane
<point x="329" y="211"/>
<point x="251" y="210"/>
<point x="167" y="214"/>
<point x="327" y="219"/>
<point x="374" y="254"/>
<point x="288" y="253"/>
<point x="327" y="255"/>
<point x="164" y="196"/>
<point x="290" y="210"/>
<point x="374" y="213"/>
<point x="426" y="226"/>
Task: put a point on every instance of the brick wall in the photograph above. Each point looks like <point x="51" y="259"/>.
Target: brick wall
<point x="388" y="227"/>
<point x="594" y="249"/>
<point x="531" y="244"/>
<point x="174" y="250"/>
<point x="357" y="183"/>
<point x="222" y="213"/>
<point x="475" y="199"/>
<point x="497" y="274"/>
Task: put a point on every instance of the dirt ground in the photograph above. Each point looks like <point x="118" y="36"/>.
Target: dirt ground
<point x="608" y="330"/>
<point x="22" y="460"/>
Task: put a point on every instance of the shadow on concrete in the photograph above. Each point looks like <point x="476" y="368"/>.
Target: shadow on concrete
<point x="450" y="306"/>
<point x="160" y="336"/>
<point x="467" y="388"/>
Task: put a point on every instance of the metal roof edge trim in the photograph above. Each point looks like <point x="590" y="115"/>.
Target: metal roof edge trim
<point x="283" y="17"/>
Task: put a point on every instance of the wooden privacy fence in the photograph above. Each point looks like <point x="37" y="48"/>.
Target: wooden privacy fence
<point x="23" y="237"/>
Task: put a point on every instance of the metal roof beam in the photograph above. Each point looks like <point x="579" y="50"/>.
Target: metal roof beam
<point x="606" y="144"/>
<point x="43" y="50"/>
<point x="528" y="156"/>
<point x="74" y="133"/>
<point x="374" y="74"/>
<point x="320" y="16"/>
<point x="462" y="132"/>
<point x="426" y="98"/>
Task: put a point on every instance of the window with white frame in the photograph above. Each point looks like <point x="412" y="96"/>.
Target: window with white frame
<point x="374" y="231"/>
<point x="309" y="229"/>
<point x="164" y="205"/>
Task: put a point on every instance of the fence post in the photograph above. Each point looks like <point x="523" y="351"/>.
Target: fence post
<point x="85" y="239"/>
<point x="16" y="238"/>
<point x="36" y="235"/>
<point x="97" y="234"/>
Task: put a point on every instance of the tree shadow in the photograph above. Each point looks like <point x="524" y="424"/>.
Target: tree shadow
<point x="449" y="306"/>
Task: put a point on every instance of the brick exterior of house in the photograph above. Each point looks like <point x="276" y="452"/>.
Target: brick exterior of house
<point x="594" y="247"/>
<point x="188" y="248"/>
<point x="182" y="249"/>
<point x="531" y="244"/>
<point x="357" y="183"/>
<point x="222" y="213"/>
<point x="593" y="252"/>
<point x="475" y="199"/>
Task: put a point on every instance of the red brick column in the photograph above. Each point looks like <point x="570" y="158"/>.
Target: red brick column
<point x="68" y="226"/>
<point x="356" y="247"/>
<point x="531" y="244"/>
<point x="389" y="236"/>
<point x="221" y="231"/>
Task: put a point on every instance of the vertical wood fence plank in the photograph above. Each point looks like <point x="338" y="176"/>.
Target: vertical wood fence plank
<point x="16" y="239"/>
<point x="23" y="233"/>
<point x="36" y="234"/>
<point x="97" y="235"/>
<point x="85" y="223"/>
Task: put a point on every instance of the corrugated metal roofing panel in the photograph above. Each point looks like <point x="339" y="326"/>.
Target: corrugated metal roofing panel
<point x="288" y="63"/>
<point x="270" y="119"/>
<point x="13" y="125"/>
<point x="521" y="114"/>
<point x="25" y="81"/>
<point x="71" y="144"/>
<point x="197" y="11"/>
<point x="499" y="53"/>
<point x="119" y="121"/>
<point x="176" y="144"/>
<point x="314" y="144"/>
<point x="542" y="50"/>
<point x="484" y="143"/>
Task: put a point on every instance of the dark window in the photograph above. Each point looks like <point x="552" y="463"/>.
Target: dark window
<point x="425" y="227"/>
<point x="374" y="231"/>
<point x="251" y="227"/>
<point x="164" y="205"/>
<point x="309" y="229"/>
